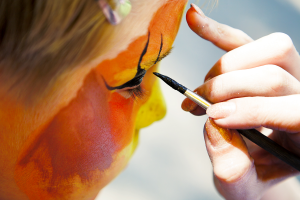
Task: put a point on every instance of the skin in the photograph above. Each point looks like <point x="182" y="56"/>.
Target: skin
<point x="81" y="136"/>
<point x="254" y="85"/>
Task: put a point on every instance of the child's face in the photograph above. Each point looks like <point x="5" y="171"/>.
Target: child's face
<point x="90" y="140"/>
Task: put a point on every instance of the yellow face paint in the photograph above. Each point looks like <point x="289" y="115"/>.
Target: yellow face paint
<point x="154" y="109"/>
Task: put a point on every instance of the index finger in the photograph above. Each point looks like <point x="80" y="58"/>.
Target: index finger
<point x="221" y="35"/>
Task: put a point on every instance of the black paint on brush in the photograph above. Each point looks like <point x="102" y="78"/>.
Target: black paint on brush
<point x="171" y="83"/>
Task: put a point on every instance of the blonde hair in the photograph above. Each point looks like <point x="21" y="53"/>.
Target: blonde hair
<point x="208" y="4"/>
<point x="40" y="39"/>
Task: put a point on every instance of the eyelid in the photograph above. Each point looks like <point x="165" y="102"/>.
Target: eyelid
<point x="152" y="63"/>
<point x="121" y="90"/>
<point x="129" y="92"/>
<point x="136" y="81"/>
<point x="128" y="88"/>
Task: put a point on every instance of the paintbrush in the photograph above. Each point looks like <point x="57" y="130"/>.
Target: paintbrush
<point x="252" y="134"/>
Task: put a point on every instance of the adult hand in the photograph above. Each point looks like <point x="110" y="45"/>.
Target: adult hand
<point x="254" y="85"/>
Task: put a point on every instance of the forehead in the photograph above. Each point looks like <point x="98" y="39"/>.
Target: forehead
<point x="136" y="24"/>
<point x="153" y="22"/>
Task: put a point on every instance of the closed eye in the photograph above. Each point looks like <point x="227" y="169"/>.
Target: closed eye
<point x="133" y="87"/>
<point x="134" y="93"/>
<point x="137" y="80"/>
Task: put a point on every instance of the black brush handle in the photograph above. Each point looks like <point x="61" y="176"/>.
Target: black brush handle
<point x="272" y="147"/>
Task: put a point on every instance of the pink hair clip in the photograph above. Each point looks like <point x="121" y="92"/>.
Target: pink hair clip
<point x="116" y="15"/>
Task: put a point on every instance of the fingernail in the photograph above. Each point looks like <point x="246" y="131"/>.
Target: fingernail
<point x="197" y="9"/>
<point x="217" y="136"/>
<point x="221" y="110"/>
<point x="188" y="105"/>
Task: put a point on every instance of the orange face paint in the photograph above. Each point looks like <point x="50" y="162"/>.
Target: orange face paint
<point x="90" y="141"/>
<point x="165" y="24"/>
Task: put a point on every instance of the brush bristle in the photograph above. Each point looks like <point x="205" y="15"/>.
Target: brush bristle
<point x="172" y="83"/>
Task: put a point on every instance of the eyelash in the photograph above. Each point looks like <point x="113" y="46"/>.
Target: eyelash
<point x="136" y="93"/>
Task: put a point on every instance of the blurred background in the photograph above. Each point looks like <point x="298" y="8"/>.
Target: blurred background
<point x="171" y="162"/>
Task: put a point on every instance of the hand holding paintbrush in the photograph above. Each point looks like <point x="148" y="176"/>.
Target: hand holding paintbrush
<point x="254" y="85"/>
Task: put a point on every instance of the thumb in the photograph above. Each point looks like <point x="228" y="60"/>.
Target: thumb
<point x="234" y="169"/>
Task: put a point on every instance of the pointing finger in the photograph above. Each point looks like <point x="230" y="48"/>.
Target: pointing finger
<point x="268" y="80"/>
<point x="221" y="35"/>
<point x="276" y="49"/>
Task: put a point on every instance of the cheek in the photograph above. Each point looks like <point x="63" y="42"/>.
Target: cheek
<point x="154" y="108"/>
<point x="85" y="146"/>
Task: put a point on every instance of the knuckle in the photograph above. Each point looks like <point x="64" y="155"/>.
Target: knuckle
<point x="250" y="114"/>
<point x="234" y="173"/>
<point x="259" y="115"/>
<point x="284" y="44"/>
<point x="224" y="63"/>
<point x="205" y="30"/>
<point x="277" y="78"/>
<point x="214" y="90"/>
<point x="220" y="30"/>
<point x="220" y="33"/>
<point x="199" y="90"/>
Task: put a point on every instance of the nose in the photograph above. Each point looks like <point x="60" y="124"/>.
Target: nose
<point x="153" y="110"/>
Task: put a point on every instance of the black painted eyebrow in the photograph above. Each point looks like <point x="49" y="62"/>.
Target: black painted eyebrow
<point x="160" y="49"/>
<point x="142" y="56"/>
<point x="160" y="57"/>
<point x="140" y="72"/>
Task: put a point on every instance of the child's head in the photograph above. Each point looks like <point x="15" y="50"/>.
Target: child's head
<point x="40" y="40"/>
<point x="85" y="79"/>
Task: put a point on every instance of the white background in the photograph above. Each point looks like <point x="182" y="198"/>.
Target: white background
<point x="171" y="162"/>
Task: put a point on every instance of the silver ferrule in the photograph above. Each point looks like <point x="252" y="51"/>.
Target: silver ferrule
<point x="197" y="99"/>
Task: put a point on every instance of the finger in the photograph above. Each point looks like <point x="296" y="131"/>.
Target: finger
<point x="278" y="113"/>
<point x="190" y="106"/>
<point x="276" y="49"/>
<point x="288" y="189"/>
<point x="234" y="170"/>
<point x="268" y="80"/>
<point x="221" y="35"/>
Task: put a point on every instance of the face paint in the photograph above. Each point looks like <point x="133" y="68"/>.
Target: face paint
<point x="88" y="142"/>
